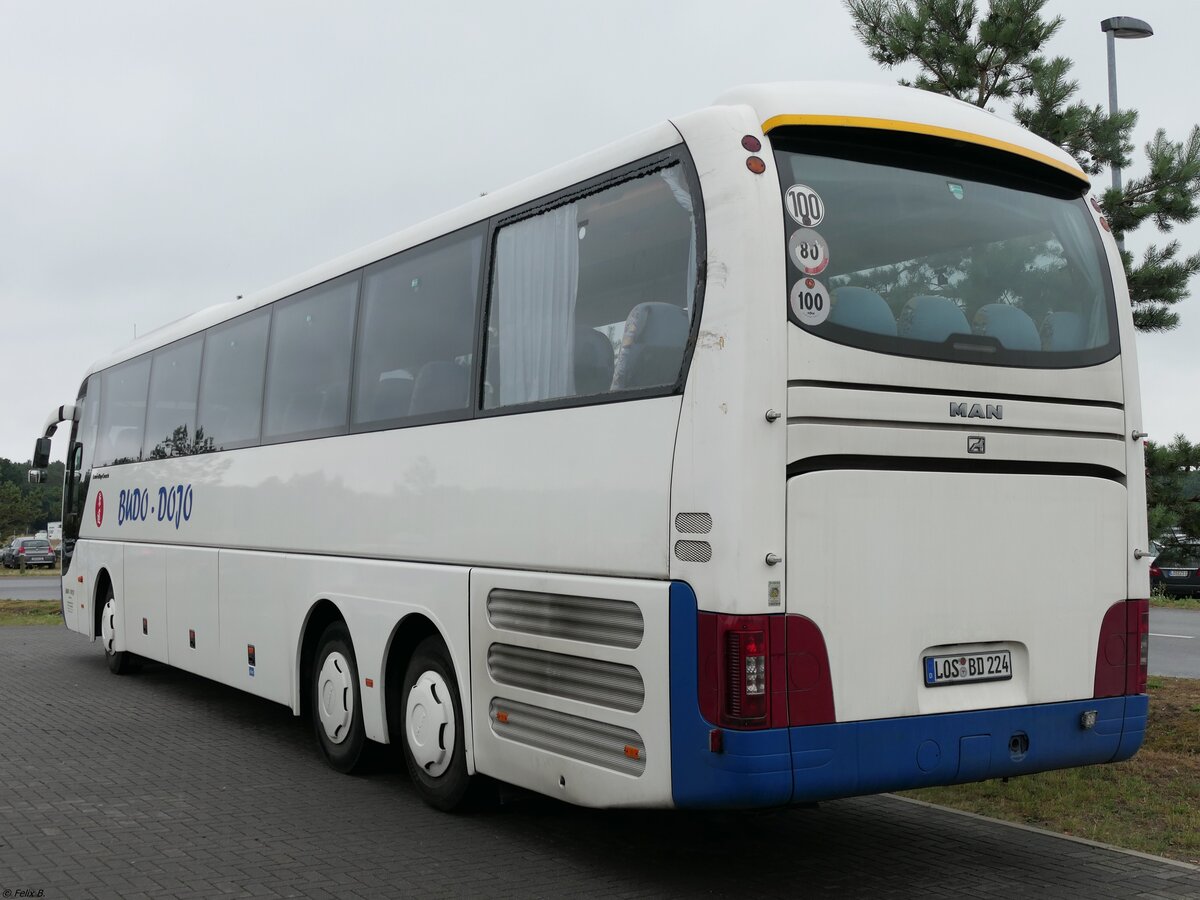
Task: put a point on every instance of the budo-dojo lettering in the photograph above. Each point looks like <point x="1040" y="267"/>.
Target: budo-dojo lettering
<point x="172" y="504"/>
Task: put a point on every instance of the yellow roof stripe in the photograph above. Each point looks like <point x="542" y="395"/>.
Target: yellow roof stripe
<point x="920" y="128"/>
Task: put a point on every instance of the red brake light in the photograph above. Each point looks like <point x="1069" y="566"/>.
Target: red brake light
<point x="1155" y="571"/>
<point x="768" y="671"/>
<point x="21" y="550"/>
<point x="1123" y="652"/>
<point x="745" y="676"/>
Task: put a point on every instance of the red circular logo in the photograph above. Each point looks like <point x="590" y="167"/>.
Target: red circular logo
<point x="99" y="508"/>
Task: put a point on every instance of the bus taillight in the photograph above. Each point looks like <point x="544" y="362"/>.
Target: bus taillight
<point x="1138" y="664"/>
<point x="767" y="671"/>
<point x="746" y="676"/>
<point x="1123" y="652"/>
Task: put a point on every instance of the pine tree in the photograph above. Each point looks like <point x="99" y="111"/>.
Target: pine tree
<point x="998" y="56"/>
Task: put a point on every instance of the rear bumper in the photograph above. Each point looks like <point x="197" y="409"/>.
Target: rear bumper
<point x="779" y="766"/>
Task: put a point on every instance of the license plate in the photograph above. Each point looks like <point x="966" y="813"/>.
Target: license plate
<point x="1178" y="573"/>
<point x="961" y="668"/>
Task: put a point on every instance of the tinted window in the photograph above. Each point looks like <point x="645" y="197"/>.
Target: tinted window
<point x="594" y="296"/>
<point x="308" y="377"/>
<point x="171" y="416"/>
<point x="231" y="382"/>
<point x="1185" y="557"/>
<point x="416" y="330"/>
<point x="943" y="254"/>
<point x="123" y="414"/>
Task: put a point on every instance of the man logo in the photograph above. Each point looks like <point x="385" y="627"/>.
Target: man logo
<point x="977" y="411"/>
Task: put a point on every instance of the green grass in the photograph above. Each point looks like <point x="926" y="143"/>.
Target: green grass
<point x="1149" y="803"/>
<point x="30" y="612"/>
<point x="16" y="573"/>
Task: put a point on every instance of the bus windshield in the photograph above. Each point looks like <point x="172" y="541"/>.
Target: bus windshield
<point x="943" y="256"/>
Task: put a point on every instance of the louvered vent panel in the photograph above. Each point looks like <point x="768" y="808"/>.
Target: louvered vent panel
<point x="598" y="743"/>
<point x="693" y="551"/>
<point x="615" y="623"/>
<point x="573" y="677"/>
<point x="693" y="523"/>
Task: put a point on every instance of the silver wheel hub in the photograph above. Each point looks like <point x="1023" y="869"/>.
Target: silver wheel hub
<point x="429" y="723"/>
<point x="108" y="625"/>
<point x="335" y="697"/>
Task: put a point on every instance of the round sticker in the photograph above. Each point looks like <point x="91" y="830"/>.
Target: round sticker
<point x="804" y="205"/>
<point x="810" y="301"/>
<point x="808" y="251"/>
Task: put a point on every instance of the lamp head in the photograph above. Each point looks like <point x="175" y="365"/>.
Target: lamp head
<point x="1127" y="27"/>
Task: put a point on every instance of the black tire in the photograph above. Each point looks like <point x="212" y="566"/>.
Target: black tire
<point x="344" y="749"/>
<point x="453" y="788"/>
<point x="120" y="662"/>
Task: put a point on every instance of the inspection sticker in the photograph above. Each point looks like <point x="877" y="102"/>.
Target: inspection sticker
<point x="808" y="251"/>
<point x="804" y="205"/>
<point x="810" y="301"/>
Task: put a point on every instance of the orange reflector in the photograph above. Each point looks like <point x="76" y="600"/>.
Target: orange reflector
<point x="370" y="682"/>
<point x="756" y="165"/>
<point x="632" y="752"/>
<point x="501" y="716"/>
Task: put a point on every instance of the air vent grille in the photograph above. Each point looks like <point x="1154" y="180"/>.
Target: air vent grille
<point x="693" y="551"/>
<point x="596" y="620"/>
<point x="573" y="677"/>
<point x="599" y="743"/>
<point x="693" y="523"/>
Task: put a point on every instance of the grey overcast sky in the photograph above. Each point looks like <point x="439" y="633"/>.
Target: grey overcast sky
<point x="157" y="158"/>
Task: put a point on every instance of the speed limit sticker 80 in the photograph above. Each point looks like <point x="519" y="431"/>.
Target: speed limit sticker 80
<point x="809" y="301"/>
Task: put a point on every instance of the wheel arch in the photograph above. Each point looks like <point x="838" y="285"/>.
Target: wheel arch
<point x="405" y="638"/>
<point x="320" y="615"/>
<point x="103" y="583"/>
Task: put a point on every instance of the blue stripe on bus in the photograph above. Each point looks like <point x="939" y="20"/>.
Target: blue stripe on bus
<point x="777" y="766"/>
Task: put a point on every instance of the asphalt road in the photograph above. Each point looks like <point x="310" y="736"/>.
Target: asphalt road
<point x="163" y="784"/>
<point x="1175" y="642"/>
<point x="29" y="587"/>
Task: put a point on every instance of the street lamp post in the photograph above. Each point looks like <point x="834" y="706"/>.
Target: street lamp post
<point x="1119" y="27"/>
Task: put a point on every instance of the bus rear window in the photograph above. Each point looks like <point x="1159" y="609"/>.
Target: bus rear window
<point x="944" y="255"/>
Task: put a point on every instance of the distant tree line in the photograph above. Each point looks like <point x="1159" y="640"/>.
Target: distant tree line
<point x="27" y="508"/>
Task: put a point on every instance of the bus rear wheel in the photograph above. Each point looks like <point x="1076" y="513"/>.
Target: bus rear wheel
<point x="432" y="728"/>
<point x="120" y="662"/>
<point x="337" y="712"/>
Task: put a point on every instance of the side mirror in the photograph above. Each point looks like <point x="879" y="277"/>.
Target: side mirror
<point x="37" y="476"/>
<point x="41" y="453"/>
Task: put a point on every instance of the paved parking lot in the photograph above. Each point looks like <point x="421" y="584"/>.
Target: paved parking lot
<point x="166" y="785"/>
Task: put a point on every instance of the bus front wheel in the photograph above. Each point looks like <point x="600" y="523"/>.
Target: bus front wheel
<point x="120" y="662"/>
<point x="432" y="727"/>
<point x="337" y="712"/>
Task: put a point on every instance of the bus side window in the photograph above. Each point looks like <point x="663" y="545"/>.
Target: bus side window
<point x="416" y="331"/>
<point x="308" y="369"/>
<point x="171" y="412"/>
<point x="123" y="414"/>
<point x="593" y="296"/>
<point x="229" y="411"/>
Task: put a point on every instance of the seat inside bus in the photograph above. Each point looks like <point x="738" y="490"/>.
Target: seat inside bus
<point x="651" y="347"/>
<point x="1012" y="327"/>
<point x="927" y="318"/>
<point x="865" y="310"/>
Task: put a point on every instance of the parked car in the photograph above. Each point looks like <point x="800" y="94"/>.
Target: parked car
<point x="1176" y="570"/>
<point x="35" y="551"/>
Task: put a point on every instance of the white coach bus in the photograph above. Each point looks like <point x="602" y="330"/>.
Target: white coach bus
<point x="788" y="450"/>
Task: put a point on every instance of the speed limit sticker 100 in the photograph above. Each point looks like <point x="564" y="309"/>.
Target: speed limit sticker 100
<point x="809" y="301"/>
